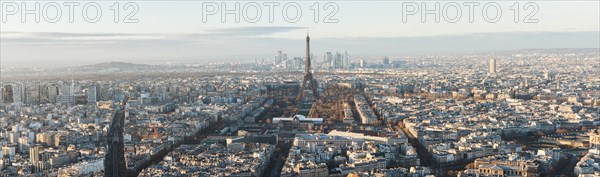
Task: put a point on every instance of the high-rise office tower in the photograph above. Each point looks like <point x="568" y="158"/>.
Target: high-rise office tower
<point x="23" y="144"/>
<point x="493" y="66"/>
<point x="346" y="59"/>
<point x="327" y="57"/>
<point x="92" y="94"/>
<point x="13" y="137"/>
<point x="338" y="60"/>
<point x="43" y="93"/>
<point x="35" y="152"/>
<point x="278" y="57"/>
<point x="7" y="94"/>
<point x="72" y="87"/>
<point x="17" y="93"/>
<point x="65" y="89"/>
<point x="53" y="92"/>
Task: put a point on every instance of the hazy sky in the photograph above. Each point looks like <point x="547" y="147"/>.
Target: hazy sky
<point x="176" y="31"/>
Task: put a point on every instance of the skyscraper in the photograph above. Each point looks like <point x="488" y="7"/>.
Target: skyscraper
<point x="339" y="62"/>
<point x="328" y="58"/>
<point x="492" y="66"/>
<point x="278" y="57"/>
<point x="7" y="94"/>
<point x="346" y="60"/>
<point x="17" y="93"/>
<point x="34" y="153"/>
<point x="92" y="94"/>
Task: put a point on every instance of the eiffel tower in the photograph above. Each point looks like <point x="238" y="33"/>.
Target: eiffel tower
<point x="308" y="81"/>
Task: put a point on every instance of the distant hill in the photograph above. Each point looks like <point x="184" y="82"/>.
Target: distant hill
<point x="562" y="50"/>
<point x="116" y="64"/>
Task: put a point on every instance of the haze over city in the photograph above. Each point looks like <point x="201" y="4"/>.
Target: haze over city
<point x="176" y="32"/>
<point x="300" y="88"/>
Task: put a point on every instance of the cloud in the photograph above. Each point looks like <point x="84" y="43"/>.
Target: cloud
<point x="52" y="38"/>
<point x="253" y="31"/>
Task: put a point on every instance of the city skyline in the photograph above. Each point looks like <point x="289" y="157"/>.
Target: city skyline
<point x="182" y="36"/>
<point x="391" y="116"/>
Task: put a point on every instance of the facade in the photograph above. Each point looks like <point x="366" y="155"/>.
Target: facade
<point x="589" y="165"/>
<point x="35" y="153"/>
<point x="594" y="141"/>
<point x="366" y="114"/>
<point x="493" y="66"/>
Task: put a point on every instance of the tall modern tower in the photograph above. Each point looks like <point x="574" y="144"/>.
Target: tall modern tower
<point x="114" y="161"/>
<point x="34" y="153"/>
<point x="493" y="66"/>
<point x="278" y="57"/>
<point x="308" y="81"/>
